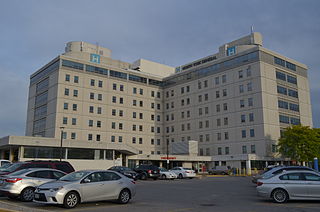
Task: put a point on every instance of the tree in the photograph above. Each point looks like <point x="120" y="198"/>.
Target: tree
<point x="300" y="143"/>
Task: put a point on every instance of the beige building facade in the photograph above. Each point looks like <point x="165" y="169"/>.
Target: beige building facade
<point x="234" y="103"/>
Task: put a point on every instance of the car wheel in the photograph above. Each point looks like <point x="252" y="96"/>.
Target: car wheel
<point x="180" y="176"/>
<point x="71" y="200"/>
<point x="27" y="194"/>
<point x="163" y="177"/>
<point x="279" y="196"/>
<point x="143" y="177"/>
<point x="124" y="196"/>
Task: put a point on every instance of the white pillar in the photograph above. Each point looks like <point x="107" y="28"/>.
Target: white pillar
<point x="248" y="166"/>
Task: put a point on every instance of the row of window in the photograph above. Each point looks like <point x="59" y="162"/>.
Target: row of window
<point x="288" y="105"/>
<point x="242" y="88"/>
<point x="244" y="150"/>
<point x="248" y="73"/>
<point x="286" y="77"/>
<point x="287" y="91"/>
<point x="289" y="120"/>
<point x="284" y="63"/>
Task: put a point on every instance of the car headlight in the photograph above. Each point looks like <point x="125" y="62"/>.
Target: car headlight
<point x="55" y="189"/>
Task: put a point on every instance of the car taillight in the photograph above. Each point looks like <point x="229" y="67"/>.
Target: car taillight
<point x="149" y="171"/>
<point x="13" y="180"/>
<point x="259" y="183"/>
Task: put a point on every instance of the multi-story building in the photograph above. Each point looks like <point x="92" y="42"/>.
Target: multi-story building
<point x="235" y="103"/>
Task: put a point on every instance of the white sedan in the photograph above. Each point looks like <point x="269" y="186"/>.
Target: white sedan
<point x="166" y="174"/>
<point x="184" y="172"/>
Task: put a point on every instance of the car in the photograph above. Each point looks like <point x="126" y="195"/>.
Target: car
<point x="183" y="172"/>
<point x="60" y="165"/>
<point x="219" y="170"/>
<point x="4" y="162"/>
<point x="22" y="183"/>
<point x="277" y="170"/>
<point x="126" y="171"/>
<point x="166" y="174"/>
<point x="147" y="171"/>
<point x="86" y="186"/>
<point x="290" y="185"/>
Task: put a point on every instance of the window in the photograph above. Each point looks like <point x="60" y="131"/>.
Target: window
<point x="141" y="91"/>
<point x="172" y="104"/>
<point x="114" y="112"/>
<point x="281" y="90"/>
<point x="206" y="97"/>
<point x="65" y="106"/>
<point x="99" y="110"/>
<point x="249" y="86"/>
<point x="76" y="79"/>
<point x="158" y="106"/>
<point x="134" y="115"/>
<point x="207" y="137"/>
<point x="121" y="113"/>
<point x="224" y="78"/>
<point x="216" y="79"/>
<point x="311" y="177"/>
<point x="90" y="123"/>
<point x="133" y="140"/>
<point x="188" y="114"/>
<point x="120" y="139"/>
<point x="199" y="85"/>
<point x="152" y="117"/>
<point x="241" y="89"/>
<point x="200" y="124"/>
<point x="141" y="115"/>
<point x="226" y="149"/>
<point x="252" y="133"/>
<point x="280" y="75"/>
<point x="98" y="123"/>
<point x="158" y="117"/>
<point x="294" y="121"/>
<point x="206" y="110"/>
<point x="74" y="121"/>
<point x="218" y="108"/>
<point x="172" y="92"/>
<point x="293" y="93"/>
<point x="241" y="103"/>
<point x="75" y="93"/>
<point x="134" y="90"/>
<point x="91" y="108"/>
<point x="89" y="137"/>
<point x="207" y="123"/>
<point x="226" y="135"/>
<point x="91" y="95"/>
<point x="225" y="121"/>
<point x="188" y="88"/>
<point x="140" y="128"/>
<point x="74" y="107"/>
<point x="250" y="102"/>
<point x="98" y="137"/>
<point x="218" y="136"/>
<point x="113" y="138"/>
<point x="251" y="117"/>
<point x="240" y="74"/>
<point x="283" y="119"/>
<point x="243" y="118"/>
<point x="114" y="86"/>
<point x="243" y="133"/>
<point x="279" y="61"/>
<point x="188" y="126"/>
<point x="182" y="115"/>
<point x="188" y="101"/>
<point x="73" y="135"/>
<point x="249" y="71"/>
<point x="291" y="66"/>
<point x="67" y="77"/>
<point x="66" y="91"/>
<point x="244" y="149"/>
<point x="121" y="88"/>
<point x="100" y="84"/>
<point x="201" y="138"/>
<point x="283" y="104"/>
<point x="121" y="100"/>
<point x="92" y="82"/>
<point x="253" y="148"/>
<point x="218" y="122"/>
<point x="152" y="105"/>
<point x="224" y="92"/>
<point x="219" y="151"/>
<point x="114" y="99"/>
<point x="134" y="127"/>
<point x="200" y="98"/>
<point x="217" y="94"/>
<point x="158" y="94"/>
<point x="205" y="83"/>
<point x="182" y="102"/>
<point x="65" y="120"/>
<point x="225" y="106"/>
<point x="200" y="111"/>
<point x="291" y="79"/>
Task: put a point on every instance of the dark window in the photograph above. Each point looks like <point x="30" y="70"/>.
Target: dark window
<point x="280" y="75"/>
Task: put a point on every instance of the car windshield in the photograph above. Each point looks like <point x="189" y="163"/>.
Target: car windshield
<point x="5" y="166"/>
<point x="19" y="172"/>
<point x="74" y="176"/>
<point x="163" y="169"/>
<point x="12" y="168"/>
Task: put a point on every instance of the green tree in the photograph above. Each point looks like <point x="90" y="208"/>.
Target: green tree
<point x="300" y="143"/>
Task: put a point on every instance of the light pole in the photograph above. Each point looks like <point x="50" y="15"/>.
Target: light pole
<point x="61" y="140"/>
<point x="168" y="153"/>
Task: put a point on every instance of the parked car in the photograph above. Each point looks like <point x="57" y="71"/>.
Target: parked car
<point x="219" y="170"/>
<point x="4" y="162"/>
<point x="183" y="172"/>
<point x="22" y="183"/>
<point x="5" y="166"/>
<point x="277" y="170"/>
<point x="86" y="186"/>
<point x="290" y="185"/>
<point x="125" y="171"/>
<point x="147" y="171"/>
<point x="60" y="165"/>
<point x="166" y="174"/>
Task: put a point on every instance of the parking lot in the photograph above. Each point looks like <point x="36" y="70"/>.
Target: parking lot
<point x="189" y="195"/>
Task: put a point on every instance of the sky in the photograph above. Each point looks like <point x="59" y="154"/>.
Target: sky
<point x="172" y="32"/>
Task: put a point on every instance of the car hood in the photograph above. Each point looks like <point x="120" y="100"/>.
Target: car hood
<point x="55" y="184"/>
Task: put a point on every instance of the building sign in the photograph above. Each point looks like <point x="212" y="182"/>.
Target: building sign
<point x="168" y="158"/>
<point x="205" y="60"/>
<point x="95" y="58"/>
<point x="231" y="51"/>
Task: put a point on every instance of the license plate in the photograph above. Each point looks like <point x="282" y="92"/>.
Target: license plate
<point x="36" y="196"/>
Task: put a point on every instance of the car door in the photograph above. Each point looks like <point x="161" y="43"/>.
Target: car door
<point x="312" y="182"/>
<point x="294" y="184"/>
<point x="112" y="185"/>
<point x="40" y="177"/>
<point x="92" y="187"/>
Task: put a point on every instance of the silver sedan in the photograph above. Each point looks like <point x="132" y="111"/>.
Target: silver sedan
<point x="86" y="186"/>
<point x="22" y="183"/>
<point x="290" y="185"/>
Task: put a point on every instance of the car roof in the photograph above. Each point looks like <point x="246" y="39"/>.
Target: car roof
<point x="299" y="171"/>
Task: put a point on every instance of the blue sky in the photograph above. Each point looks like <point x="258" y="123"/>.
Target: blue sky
<point x="172" y="32"/>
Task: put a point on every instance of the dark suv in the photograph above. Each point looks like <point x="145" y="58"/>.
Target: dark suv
<point x="60" y="165"/>
<point x="125" y="171"/>
<point x="147" y="171"/>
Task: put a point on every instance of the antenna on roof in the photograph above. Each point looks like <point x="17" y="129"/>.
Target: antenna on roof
<point x="251" y="29"/>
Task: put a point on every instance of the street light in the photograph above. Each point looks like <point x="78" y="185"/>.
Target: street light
<point x="168" y="153"/>
<point x="61" y="140"/>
